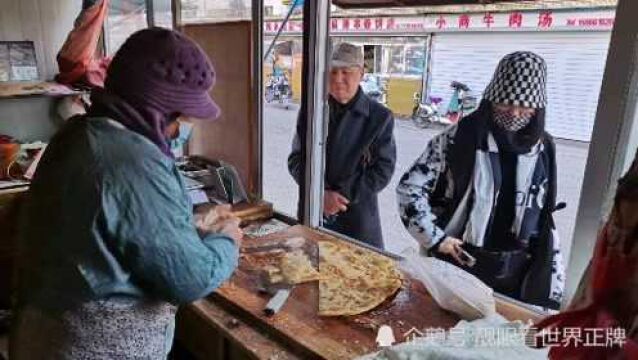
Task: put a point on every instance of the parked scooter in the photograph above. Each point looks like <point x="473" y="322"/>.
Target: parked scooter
<point x="278" y="89"/>
<point x="461" y="103"/>
<point x="425" y="114"/>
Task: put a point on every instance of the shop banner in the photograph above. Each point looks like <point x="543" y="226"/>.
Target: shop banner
<point x="602" y="20"/>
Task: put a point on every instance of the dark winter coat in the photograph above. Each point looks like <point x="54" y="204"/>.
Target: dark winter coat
<point x="360" y="159"/>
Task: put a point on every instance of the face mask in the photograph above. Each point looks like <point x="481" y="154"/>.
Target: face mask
<point x="177" y="144"/>
<point x="510" y="122"/>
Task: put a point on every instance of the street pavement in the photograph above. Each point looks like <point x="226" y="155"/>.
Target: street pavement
<point x="280" y="188"/>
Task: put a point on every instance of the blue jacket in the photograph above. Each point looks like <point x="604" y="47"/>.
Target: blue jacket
<point x="108" y="216"/>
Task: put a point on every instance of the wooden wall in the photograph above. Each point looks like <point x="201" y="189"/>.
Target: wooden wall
<point x="233" y="137"/>
<point x="45" y="22"/>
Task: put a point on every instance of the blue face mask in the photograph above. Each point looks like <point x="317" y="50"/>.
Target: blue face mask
<point x="184" y="133"/>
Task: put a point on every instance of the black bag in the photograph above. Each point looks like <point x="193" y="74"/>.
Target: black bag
<point x="502" y="270"/>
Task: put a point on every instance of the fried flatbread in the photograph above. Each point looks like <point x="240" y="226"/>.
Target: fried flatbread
<point x="354" y="280"/>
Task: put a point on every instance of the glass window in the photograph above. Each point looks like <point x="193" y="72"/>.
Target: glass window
<point x="215" y="10"/>
<point x="125" y="17"/>
<point x="369" y="54"/>
<point x="163" y="13"/>
<point x="414" y="60"/>
<point x="282" y="96"/>
<point x="397" y="59"/>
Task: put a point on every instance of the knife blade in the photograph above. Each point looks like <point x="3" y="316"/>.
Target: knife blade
<point x="265" y="248"/>
<point x="287" y="245"/>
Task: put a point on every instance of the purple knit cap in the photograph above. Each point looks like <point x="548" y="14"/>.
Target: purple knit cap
<point x="164" y="70"/>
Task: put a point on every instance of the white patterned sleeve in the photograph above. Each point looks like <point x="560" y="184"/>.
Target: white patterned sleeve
<point x="558" y="270"/>
<point x="416" y="187"/>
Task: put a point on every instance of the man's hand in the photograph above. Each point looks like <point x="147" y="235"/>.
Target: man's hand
<point x="334" y="203"/>
<point x="222" y="221"/>
<point x="452" y="246"/>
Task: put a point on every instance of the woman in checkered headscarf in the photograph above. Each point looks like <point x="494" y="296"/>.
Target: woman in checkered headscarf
<point x="518" y="101"/>
<point x="487" y="187"/>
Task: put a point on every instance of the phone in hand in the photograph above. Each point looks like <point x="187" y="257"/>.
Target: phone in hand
<point x="467" y="259"/>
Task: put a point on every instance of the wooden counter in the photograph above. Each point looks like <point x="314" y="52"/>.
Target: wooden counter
<point x="231" y="320"/>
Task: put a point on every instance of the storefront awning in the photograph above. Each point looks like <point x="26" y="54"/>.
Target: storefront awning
<point x="352" y="4"/>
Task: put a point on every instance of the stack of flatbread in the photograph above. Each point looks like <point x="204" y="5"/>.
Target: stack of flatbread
<point x="353" y="280"/>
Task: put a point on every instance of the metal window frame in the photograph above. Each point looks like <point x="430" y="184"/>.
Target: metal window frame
<point x="176" y="10"/>
<point x="257" y="89"/>
<point x="314" y="105"/>
<point x="150" y="14"/>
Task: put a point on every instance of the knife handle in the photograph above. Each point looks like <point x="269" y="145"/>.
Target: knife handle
<point x="277" y="302"/>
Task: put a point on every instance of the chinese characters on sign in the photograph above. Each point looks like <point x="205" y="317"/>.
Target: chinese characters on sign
<point x="367" y="24"/>
<point x="464" y="21"/>
<point x="441" y="22"/>
<point x="545" y="19"/>
<point x="488" y="19"/>
<point x="516" y="20"/>
<point x="539" y="20"/>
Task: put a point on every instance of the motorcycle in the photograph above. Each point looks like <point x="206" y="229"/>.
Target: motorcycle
<point x="425" y="114"/>
<point x="278" y="89"/>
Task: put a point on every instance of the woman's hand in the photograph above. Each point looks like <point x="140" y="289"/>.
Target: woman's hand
<point x="230" y="227"/>
<point x="452" y="247"/>
<point x="222" y="221"/>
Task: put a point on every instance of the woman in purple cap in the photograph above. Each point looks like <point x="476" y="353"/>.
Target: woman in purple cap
<point x="108" y="242"/>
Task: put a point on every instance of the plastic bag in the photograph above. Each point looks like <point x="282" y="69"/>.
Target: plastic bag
<point x="452" y="288"/>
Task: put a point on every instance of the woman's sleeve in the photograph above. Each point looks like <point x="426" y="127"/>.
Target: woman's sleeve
<point x="415" y="189"/>
<point x="153" y="237"/>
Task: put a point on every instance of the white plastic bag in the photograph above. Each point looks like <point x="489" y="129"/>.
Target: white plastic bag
<point x="451" y="287"/>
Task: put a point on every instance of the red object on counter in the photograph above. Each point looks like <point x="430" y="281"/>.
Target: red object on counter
<point x="9" y="149"/>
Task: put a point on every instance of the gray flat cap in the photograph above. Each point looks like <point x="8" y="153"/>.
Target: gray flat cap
<point x="346" y="55"/>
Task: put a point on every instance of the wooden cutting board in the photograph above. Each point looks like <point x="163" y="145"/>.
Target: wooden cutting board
<point x="299" y="327"/>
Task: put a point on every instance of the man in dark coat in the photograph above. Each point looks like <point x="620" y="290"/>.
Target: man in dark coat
<point x="360" y="151"/>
